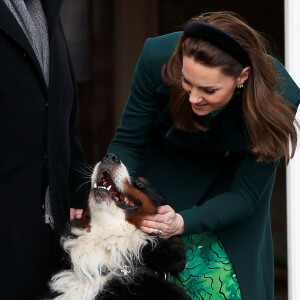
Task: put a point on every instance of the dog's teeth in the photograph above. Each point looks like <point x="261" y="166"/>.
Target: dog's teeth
<point x="109" y="188"/>
<point x="126" y="200"/>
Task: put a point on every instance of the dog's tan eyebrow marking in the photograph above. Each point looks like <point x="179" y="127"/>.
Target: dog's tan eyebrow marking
<point x="142" y="179"/>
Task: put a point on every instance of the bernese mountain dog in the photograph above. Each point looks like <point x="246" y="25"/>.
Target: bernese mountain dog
<point x="110" y="257"/>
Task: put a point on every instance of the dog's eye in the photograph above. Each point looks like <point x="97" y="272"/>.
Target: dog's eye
<point x="140" y="185"/>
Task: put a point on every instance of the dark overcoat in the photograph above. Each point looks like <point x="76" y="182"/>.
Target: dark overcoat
<point x="38" y="127"/>
<point x="211" y="178"/>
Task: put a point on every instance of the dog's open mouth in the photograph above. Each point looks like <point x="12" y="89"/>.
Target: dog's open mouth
<point x="105" y="182"/>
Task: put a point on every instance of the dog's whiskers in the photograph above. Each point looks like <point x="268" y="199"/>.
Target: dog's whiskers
<point x="86" y="169"/>
<point x="86" y="182"/>
<point x="87" y="173"/>
<point x="90" y="167"/>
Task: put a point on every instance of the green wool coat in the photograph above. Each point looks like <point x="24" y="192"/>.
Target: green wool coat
<point x="211" y="178"/>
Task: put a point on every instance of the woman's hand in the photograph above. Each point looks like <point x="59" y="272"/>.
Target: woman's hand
<point x="75" y="213"/>
<point x="165" y="223"/>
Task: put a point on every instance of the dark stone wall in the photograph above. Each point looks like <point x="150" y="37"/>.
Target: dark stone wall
<point x="266" y="16"/>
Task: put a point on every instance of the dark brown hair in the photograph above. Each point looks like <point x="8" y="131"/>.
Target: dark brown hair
<point x="268" y="118"/>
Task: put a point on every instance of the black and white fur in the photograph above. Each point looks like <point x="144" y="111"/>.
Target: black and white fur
<point x="111" y="258"/>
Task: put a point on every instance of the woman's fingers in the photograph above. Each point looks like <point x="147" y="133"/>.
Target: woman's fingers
<point x="154" y="225"/>
<point x="165" y="209"/>
<point x="157" y="232"/>
<point x="155" y="218"/>
<point x="165" y="223"/>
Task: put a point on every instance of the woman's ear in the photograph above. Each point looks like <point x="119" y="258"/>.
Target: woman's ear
<point x="243" y="76"/>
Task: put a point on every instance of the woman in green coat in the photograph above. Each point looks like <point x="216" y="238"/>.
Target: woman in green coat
<point x="208" y="117"/>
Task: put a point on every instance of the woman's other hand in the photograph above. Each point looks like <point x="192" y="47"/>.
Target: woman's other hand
<point x="165" y="223"/>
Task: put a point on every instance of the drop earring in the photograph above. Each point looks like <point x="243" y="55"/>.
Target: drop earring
<point x="240" y="86"/>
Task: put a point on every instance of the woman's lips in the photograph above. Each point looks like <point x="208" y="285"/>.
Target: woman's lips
<point x="199" y="105"/>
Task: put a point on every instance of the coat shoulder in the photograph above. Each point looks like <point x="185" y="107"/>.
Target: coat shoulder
<point x="285" y="84"/>
<point x="163" y="46"/>
<point x="157" y="52"/>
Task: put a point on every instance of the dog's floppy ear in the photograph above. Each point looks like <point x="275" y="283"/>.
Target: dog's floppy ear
<point x="158" y="198"/>
<point x="168" y="256"/>
<point x="84" y="221"/>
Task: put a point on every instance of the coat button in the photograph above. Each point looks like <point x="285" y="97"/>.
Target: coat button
<point x="223" y="153"/>
<point x="46" y="159"/>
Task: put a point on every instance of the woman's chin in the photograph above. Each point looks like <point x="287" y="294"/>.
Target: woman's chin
<point x="200" y="112"/>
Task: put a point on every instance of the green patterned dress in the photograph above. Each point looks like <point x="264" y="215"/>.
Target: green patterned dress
<point x="209" y="274"/>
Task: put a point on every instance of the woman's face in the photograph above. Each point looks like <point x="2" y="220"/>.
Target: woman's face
<point x="208" y="88"/>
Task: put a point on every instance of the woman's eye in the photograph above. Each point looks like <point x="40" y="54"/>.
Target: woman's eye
<point x="185" y="81"/>
<point x="210" y="91"/>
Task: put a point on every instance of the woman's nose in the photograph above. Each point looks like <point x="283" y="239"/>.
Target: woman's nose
<point x="195" y="96"/>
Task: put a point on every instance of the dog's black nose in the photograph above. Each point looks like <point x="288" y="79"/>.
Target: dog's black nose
<point x="111" y="158"/>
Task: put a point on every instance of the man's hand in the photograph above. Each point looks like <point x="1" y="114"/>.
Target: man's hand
<point x="75" y="213"/>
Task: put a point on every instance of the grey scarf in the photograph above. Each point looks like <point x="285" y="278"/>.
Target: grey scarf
<point x="32" y="20"/>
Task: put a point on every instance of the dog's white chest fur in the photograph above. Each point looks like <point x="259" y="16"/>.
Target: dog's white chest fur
<point x="99" y="254"/>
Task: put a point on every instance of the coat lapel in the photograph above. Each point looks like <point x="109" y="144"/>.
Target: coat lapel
<point x="11" y="27"/>
<point x="51" y="9"/>
<point x="228" y="131"/>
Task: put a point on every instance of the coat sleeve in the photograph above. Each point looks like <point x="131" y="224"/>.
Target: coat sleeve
<point x="252" y="183"/>
<point x="140" y="111"/>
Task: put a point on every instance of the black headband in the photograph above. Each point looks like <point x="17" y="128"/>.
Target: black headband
<point x="218" y="38"/>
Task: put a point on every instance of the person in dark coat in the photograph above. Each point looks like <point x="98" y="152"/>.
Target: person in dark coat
<point x="40" y="151"/>
<point x="208" y="117"/>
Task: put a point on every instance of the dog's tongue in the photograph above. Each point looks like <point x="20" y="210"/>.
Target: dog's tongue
<point x="106" y="181"/>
